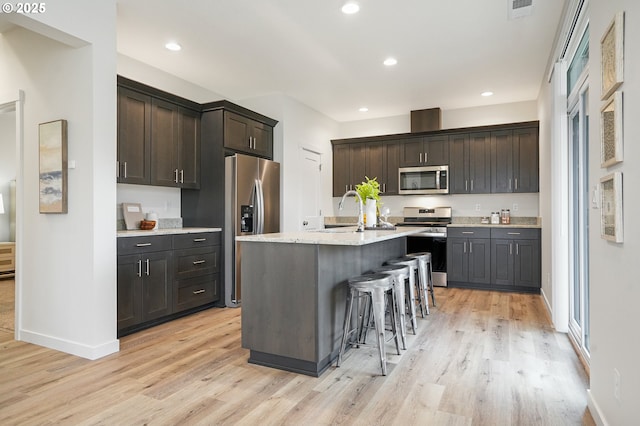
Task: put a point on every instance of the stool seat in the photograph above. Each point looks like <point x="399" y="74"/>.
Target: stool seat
<point x="413" y="264"/>
<point x="374" y="288"/>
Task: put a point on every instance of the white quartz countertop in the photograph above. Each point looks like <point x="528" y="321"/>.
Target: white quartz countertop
<point x="344" y="236"/>
<point x="166" y="231"/>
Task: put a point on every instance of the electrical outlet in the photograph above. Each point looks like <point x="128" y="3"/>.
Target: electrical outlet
<point x="616" y="383"/>
<point x="515" y="207"/>
<point x="477" y="207"/>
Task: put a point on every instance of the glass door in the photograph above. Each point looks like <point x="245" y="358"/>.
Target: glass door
<point x="578" y="114"/>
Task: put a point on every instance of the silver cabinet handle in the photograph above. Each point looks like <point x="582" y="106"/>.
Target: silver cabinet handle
<point x="517" y="249"/>
<point x="421" y="157"/>
<point x="175" y="179"/>
<point x="513" y="233"/>
<point x="471" y="185"/>
<point x="199" y="240"/>
<point x="426" y="156"/>
<point x="117" y="169"/>
<point x="346" y="188"/>
<point x="147" y="266"/>
<point x="509" y="183"/>
<point x="516" y="180"/>
<point x="199" y="291"/>
<point x="510" y="248"/>
<point x="384" y="187"/>
<point x="182" y="176"/>
<point x="468" y="232"/>
<point x="470" y="246"/>
<point x="139" y="268"/>
<point x="466" y="184"/>
<point x="143" y="244"/>
<point x="464" y="250"/>
<point x="125" y="169"/>
<point x="199" y="262"/>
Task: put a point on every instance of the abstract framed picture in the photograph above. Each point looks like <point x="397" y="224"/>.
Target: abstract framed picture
<point x="52" y="138"/>
<point x="611" y="137"/>
<point x="611" y="207"/>
<point x="612" y="56"/>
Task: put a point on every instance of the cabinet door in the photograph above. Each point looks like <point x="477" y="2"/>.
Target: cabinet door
<point x="341" y="164"/>
<point x="134" y="137"/>
<point x="457" y="260"/>
<point x="374" y="167"/>
<point x="526" y="167"/>
<point x="502" y="161"/>
<point x="129" y="291"/>
<point x="156" y="285"/>
<point x="357" y="164"/>
<point x="527" y="263"/>
<point x="458" y="164"/>
<point x="236" y="132"/>
<point x="436" y="150"/>
<point x="262" y="139"/>
<point x="479" y="260"/>
<point x="411" y="152"/>
<point x="479" y="163"/>
<point x="502" y="261"/>
<point x="164" y="143"/>
<point x="189" y="148"/>
<point x="391" y="166"/>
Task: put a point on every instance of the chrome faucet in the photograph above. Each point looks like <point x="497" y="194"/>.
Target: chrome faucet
<point x="360" y="208"/>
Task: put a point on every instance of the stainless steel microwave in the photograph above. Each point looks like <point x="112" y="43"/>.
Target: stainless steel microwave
<point x="423" y="180"/>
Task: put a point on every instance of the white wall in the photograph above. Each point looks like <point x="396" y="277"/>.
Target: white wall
<point x="7" y="166"/>
<point x="615" y="288"/>
<point x="462" y="205"/>
<point x="66" y="281"/>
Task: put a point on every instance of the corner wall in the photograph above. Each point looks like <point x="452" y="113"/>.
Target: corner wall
<point x="66" y="264"/>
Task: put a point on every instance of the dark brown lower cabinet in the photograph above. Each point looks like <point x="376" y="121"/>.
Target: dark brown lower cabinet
<point x="163" y="277"/>
<point x="502" y="258"/>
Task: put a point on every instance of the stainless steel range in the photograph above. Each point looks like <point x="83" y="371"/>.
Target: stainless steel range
<point x="433" y="240"/>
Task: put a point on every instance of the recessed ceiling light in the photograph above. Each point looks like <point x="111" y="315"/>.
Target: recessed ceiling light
<point x="363" y="109"/>
<point x="350" y="8"/>
<point x="485" y="94"/>
<point x="390" y="62"/>
<point x="173" y="46"/>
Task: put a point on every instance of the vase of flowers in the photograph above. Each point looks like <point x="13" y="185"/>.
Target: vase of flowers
<point x="369" y="192"/>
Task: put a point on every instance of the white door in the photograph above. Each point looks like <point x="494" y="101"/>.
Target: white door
<point x="310" y="190"/>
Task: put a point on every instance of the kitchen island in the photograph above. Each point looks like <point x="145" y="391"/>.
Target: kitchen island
<point x="294" y="291"/>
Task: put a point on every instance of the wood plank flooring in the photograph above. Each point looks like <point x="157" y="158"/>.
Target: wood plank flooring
<point x="480" y="358"/>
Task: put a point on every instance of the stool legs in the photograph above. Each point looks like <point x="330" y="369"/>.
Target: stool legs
<point x="411" y="292"/>
<point x="401" y="310"/>
<point x="423" y="286"/>
<point x="433" y="296"/>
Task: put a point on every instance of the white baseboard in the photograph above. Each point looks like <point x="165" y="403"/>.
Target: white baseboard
<point x="70" y="347"/>
<point x="547" y="305"/>
<point x="595" y="411"/>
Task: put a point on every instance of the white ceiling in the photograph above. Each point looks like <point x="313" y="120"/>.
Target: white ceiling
<point x="448" y="51"/>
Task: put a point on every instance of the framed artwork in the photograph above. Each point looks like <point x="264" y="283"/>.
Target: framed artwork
<point x="53" y="166"/>
<point x="612" y="51"/>
<point x="611" y="207"/>
<point x="611" y="131"/>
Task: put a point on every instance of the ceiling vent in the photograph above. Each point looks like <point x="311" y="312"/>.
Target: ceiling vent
<point x="520" y="8"/>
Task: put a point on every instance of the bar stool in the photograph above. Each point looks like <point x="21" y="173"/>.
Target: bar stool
<point x="399" y="274"/>
<point x="374" y="288"/>
<point x="425" y="274"/>
<point x="412" y="263"/>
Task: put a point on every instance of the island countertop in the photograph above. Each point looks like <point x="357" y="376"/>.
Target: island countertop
<point x="345" y="236"/>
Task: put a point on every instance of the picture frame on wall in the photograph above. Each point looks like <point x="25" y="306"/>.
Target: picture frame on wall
<point x="612" y="56"/>
<point x="611" y="136"/>
<point x="611" y="207"/>
<point x="52" y="138"/>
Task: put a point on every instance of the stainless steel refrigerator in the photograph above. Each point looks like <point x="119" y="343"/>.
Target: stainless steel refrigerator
<point x="252" y="206"/>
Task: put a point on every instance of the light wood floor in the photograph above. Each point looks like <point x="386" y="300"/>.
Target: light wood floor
<point x="481" y="358"/>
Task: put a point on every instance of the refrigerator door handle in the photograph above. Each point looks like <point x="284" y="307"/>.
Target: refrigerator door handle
<point x="259" y="208"/>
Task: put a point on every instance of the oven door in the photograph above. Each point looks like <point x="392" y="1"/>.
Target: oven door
<point x="437" y="246"/>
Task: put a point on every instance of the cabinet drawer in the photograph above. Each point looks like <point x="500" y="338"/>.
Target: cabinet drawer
<point x="516" y="233"/>
<point x="201" y="239"/>
<point x="137" y="245"/>
<point x="195" y="262"/>
<point x="469" y="232"/>
<point x="194" y="292"/>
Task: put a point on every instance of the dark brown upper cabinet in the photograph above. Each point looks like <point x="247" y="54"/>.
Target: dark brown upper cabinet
<point x="514" y="160"/>
<point x="243" y="134"/>
<point x="425" y="151"/>
<point x="134" y="137"/>
<point x="470" y="163"/>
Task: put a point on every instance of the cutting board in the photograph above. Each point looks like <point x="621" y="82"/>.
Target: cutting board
<point x="132" y="213"/>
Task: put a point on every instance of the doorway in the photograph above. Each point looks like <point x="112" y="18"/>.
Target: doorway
<point x="310" y="190"/>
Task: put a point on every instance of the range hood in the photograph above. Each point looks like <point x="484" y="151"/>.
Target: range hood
<point x="424" y="120"/>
